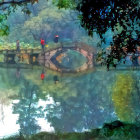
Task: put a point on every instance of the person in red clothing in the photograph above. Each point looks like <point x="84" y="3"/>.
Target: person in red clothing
<point x="42" y="43"/>
<point x="42" y="76"/>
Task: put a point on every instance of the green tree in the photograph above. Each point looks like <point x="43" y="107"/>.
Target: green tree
<point x="7" y="7"/>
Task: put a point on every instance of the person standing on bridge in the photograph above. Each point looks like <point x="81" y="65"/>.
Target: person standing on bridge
<point x="56" y="38"/>
<point x="42" y="42"/>
<point x="18" y="45"/>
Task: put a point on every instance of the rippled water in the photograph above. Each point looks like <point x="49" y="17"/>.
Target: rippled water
<point x="75" y="103"/>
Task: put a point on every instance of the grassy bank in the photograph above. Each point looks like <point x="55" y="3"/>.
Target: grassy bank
<point x="112" y="131"/>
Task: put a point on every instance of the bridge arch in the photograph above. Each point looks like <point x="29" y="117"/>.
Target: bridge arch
<point x="87" y="53"/>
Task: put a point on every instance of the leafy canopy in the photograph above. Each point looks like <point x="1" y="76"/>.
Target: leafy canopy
<point x="9" y="6"/>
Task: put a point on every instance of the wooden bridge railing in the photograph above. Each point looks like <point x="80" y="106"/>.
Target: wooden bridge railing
<point x="21" y="51"/>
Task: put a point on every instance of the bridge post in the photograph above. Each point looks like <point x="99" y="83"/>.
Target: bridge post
<point x="32" y="56"/>
<point x="6" y="57"/>
<point x="30" y="59"/>
<point x="44" y="57"/>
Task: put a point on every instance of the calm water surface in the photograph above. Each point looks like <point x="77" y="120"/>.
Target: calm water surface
<point x="74" y="103"/>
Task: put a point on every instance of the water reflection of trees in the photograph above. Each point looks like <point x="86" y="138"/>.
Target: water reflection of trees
<point x="8" y="88"/>
<point x="28" y="109"/>
<point x="76" y="114"/>
<point x="89" y="107"/>
<point x="136" y="96"/>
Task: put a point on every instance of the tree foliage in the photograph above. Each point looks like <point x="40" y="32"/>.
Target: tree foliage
<point x="71" y="4"/>
<point x="99" y="16"/>
<point x="45" y="21"/>
<point x="7" y="7"/>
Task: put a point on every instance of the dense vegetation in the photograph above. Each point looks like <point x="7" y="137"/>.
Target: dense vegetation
<point x="114" y="130"/>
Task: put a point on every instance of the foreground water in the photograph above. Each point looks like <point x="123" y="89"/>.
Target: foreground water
<point x="72" y="103"/>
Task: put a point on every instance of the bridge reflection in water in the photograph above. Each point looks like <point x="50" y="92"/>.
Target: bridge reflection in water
<point x="35" y="57"/>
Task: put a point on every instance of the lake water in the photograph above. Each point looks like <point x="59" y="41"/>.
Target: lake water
<point x="76" y="102"/>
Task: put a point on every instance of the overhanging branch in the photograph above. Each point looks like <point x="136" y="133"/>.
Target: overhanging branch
<point x="14" y="2"/>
